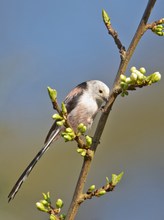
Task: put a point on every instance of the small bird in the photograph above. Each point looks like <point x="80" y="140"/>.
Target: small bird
<point x="82" y="104"/>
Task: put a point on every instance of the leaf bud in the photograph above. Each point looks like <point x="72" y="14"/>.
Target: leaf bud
<point x="52" y="93"/>
<point x="59" y="203"/>
<point x="101" y="192"/>
<point x="41" y="207"/>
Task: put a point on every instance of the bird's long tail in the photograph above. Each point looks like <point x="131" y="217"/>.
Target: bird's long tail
<point x="28" y="170"/>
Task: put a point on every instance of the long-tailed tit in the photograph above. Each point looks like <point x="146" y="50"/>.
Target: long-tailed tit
<point x="82" y="104"/>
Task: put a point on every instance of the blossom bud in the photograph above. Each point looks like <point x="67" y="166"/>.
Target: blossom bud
<point x="59" y="203"/>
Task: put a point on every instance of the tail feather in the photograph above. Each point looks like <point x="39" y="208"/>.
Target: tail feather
<point x="28" y="170"/>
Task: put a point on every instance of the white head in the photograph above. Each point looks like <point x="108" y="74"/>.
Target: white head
<point x="98" y="90"/>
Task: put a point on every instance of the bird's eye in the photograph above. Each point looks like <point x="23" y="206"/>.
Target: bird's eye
<point x="100" y="91"/>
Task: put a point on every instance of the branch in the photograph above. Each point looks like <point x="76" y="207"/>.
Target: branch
<point x="103" y="119"/>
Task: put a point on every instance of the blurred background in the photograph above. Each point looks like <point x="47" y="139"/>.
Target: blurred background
<point x="60" y="44"/>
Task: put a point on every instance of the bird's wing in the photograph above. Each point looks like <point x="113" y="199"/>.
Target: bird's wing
<point x="70" y="101"/>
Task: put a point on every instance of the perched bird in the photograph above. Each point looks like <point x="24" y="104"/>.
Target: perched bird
<point x="82" y="103"/>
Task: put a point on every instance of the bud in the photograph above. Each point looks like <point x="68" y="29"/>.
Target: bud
<point x="133" y="77"/>
<point x="128" y="80"/>
<point x="79" y="150"/>
<point x="132" y="69"/>
<point x="67" y="137"/>
<point x="116" y="178"/>
<point x="83" y="153"/>
<point x="105" y="17"/>
<point x="101" y="192"/>
<point x="59" y="203"/>
<point x="155" y="77"/>
<point x="69" y="130"/>
<point x="91" y="188"/>
<point x="52" y="93"/>
<point x="45" y="202"/>
<point x="88" y="140"/>
<point x="64" y="109"/>
<point x="82" y="128"/>
<point x="60" y="123"/>
<point x="57" y="117"/>
<point x="53" y="217"/>
<point x="142" y="70"/>
<point x="41" y="207"/>
<point x="62" y="216"/>
<point x="123" y="78"/>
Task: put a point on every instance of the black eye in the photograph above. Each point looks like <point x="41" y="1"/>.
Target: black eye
<point x="100" y="91"/>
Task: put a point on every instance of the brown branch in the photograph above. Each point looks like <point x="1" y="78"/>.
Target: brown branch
<point x="153" y="24"/>
<point x="103" y="119"/>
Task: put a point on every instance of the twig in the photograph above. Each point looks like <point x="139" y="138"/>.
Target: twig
<point x="103" y="119"/>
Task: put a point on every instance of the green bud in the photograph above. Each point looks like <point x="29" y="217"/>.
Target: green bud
<point x="133" y="77"/>
<point x="69" y="130"/>
<point x="105" y="17"/>
<point x="124" y="85"/>
<point x="160" y="33"/>
<point x="59" y="203"/>
<point x="52" y="93"/>
<point x="91" y="188"/>
<point x="102" y="192"/>
<point x="83" y="153"/>
<point x="79" y="150"/>
<point x="47" y="197"/>
<point x="67" y="137"/>
<point x="60" y="123"/>
<point x="142" y="70"/>
<point x="155" y="77"/>
<point x="64" y="109"/>
<point x="128" y="80"/>
<point x="41" y="207"/>
<point x="116" y="178"/>
<point x="82" y="128"/>
<point x="53" y="217"/>
<point x="132" y="69"/>
<point x="62" y="217"/>
<point x="45" y="202"/>
<point x="123" y="78"/>
<point x="88" y="140"/>
<point x="57" y="117"/>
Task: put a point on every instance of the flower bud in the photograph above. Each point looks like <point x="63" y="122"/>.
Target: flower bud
<point x="62" y="216"/>
<point x="79" y="150"/>
<point x="64" y="109"/>
<point x="60" y="123"/>
<point x="57" y="117"/>
<point x="52" y="93"/>
<point x="83" y="153"/>
<point x="123" y="78"/>
<point x="102" y="192"/>
<point x="67" y="137"/>
<point x="128" y="80"/>
<point x="133" y="77"/>
<point x="53" y="217"/>
<point x="69" y="130"/>
<point x="156" y="77"/>
<point x="91" y="188"/>
<point x="142" y="70"/>
<point x="88" y="140"/>
<point x="41" y="207"/>
<point x="132" y="69"/>
<point x="59" y="203"/>
<point x="82" y="128"/>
